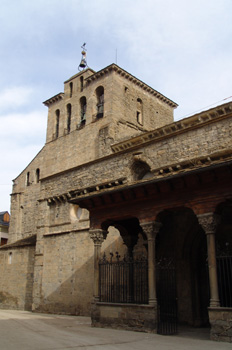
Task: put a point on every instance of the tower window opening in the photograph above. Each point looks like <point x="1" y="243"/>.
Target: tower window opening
<point x="37" y="175"/>
<point x="81" y="83"/>
<point x="100" y="101"/>
<point x="139" y="112"/>
<point x="28" y="179"/>
<point x="71" y="89"/>
<point x="69" y="113"/>
<point x="83" y="105"/>
<point x="57" y="123"/>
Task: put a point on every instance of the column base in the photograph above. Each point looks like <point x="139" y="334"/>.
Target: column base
<point x="214" y="303"/>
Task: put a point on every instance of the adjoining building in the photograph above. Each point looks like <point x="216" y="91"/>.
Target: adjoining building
<point x="4" y="226"/>
<point x="124" y="214"/>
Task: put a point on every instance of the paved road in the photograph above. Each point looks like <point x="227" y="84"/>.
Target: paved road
<point x="22" y="330"/>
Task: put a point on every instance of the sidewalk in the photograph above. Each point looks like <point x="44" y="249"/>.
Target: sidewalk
<point x="22" y="330"/>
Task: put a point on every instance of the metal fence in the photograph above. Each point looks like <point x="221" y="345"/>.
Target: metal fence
<point x="224" y="269"/>
<point x="123" y="281"/>
<point x="166" y="297"/>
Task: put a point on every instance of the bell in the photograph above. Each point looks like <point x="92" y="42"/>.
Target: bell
<point x="83" y="63"/>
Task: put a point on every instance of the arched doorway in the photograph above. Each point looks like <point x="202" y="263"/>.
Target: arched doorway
<point x="182" y="275"/>
<point x="224" y="253"/>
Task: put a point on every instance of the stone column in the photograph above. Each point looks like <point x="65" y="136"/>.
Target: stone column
<point x="98" y="236"/>
<point x="209" y="223"/>
<point x="151" y="229"/>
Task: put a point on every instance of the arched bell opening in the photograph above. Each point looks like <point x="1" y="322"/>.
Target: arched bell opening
<point x="182" y="277"/>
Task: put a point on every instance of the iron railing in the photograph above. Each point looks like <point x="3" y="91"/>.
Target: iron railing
<point x="166" y="296"/>
<point x="224" y="271"/>
<point x="123" y="281"/>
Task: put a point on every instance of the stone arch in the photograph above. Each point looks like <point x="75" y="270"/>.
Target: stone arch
<point x="129" y="229"/>
<point x="140" y="170"/>
<point x="182" y="242"/>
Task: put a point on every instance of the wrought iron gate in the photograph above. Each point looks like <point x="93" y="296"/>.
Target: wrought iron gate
<point x="224" y="271"/>
<point x="166" y="297"/>
<point x="123" y="281"/>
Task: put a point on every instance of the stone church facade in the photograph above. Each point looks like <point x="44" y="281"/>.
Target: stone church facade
<point x="124" y="214"/>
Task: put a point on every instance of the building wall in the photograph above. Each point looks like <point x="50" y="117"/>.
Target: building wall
<point x="67" y="274"/>
<point x="202" y="141"/>
<point x="16" y="282"/>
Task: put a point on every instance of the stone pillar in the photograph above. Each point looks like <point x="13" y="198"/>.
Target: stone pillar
<point x="98" y="236"/>
<point x="151" y="229"/>
<point x="209" y="223"/>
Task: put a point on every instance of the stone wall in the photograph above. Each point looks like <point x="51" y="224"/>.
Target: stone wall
<point x="17" y="272"/>
<point x="140" y="318"/>
<point x="64" y="274"/>
<point x="221" y="324"/>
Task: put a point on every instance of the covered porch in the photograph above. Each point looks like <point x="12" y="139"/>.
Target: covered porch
<point x="180" y="227"/>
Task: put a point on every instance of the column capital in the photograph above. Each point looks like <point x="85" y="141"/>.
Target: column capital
<point x="209" y="222"/>
<point x="151" y="228"/>
<point x="97" y="235"/>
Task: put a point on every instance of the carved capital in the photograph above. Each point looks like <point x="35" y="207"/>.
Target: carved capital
<point x="98" y="236"/>
<point x="151" y="229"/>
<point x="208" y="222"/>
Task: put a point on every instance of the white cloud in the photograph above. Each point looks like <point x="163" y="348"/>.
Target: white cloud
<point x="14" y="97"/>
<point x="181" y="48"/>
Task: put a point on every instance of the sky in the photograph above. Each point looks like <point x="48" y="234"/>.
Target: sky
<point x="181" y="48"/>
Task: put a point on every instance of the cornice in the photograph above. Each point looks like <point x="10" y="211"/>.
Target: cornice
<point x="167" y="171"/>
<point x="53" y="99"/>
<point x="196" y="121"/>
<point x="115" y="68"/>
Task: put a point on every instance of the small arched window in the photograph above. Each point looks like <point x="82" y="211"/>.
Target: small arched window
<point x="69" y="114"/>
<point x="81" y="83"/>
<point x="71" y="89"/>
<point x="57" y="123"/>
<point x="139" y="112"/>
<point x="28" y="179"/>
<point x="100" y="101"/>
<point x="37" y="175"/>
<point x="83" y="106"/>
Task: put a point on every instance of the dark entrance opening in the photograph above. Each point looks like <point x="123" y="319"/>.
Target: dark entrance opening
<point x="224" y="253"/>
<point x="182" y="272"/>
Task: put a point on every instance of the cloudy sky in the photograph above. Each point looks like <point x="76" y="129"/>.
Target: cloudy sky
<point x="182" y="48"/>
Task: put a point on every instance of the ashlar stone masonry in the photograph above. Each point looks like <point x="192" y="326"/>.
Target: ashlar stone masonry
<point x="119" y="196"/>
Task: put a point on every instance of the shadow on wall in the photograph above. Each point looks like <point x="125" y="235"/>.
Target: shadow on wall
<point x="74" y="294"/>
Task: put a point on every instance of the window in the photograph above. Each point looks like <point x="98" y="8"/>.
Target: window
<point x="57" y="123"/>
<point x="71" y="89"/>
<point x="83" y="106"/>
<point x="10" y="258"/>
<point x="81" y="83"/>
<point x="100" y="101"/>
<point x="28" y="179"/>
<point x="37" y="175"/>
<point x="139" y="113"/>
<point x="69" y="112"/>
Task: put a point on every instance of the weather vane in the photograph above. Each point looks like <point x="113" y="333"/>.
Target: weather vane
<point x="83" y="63"/>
